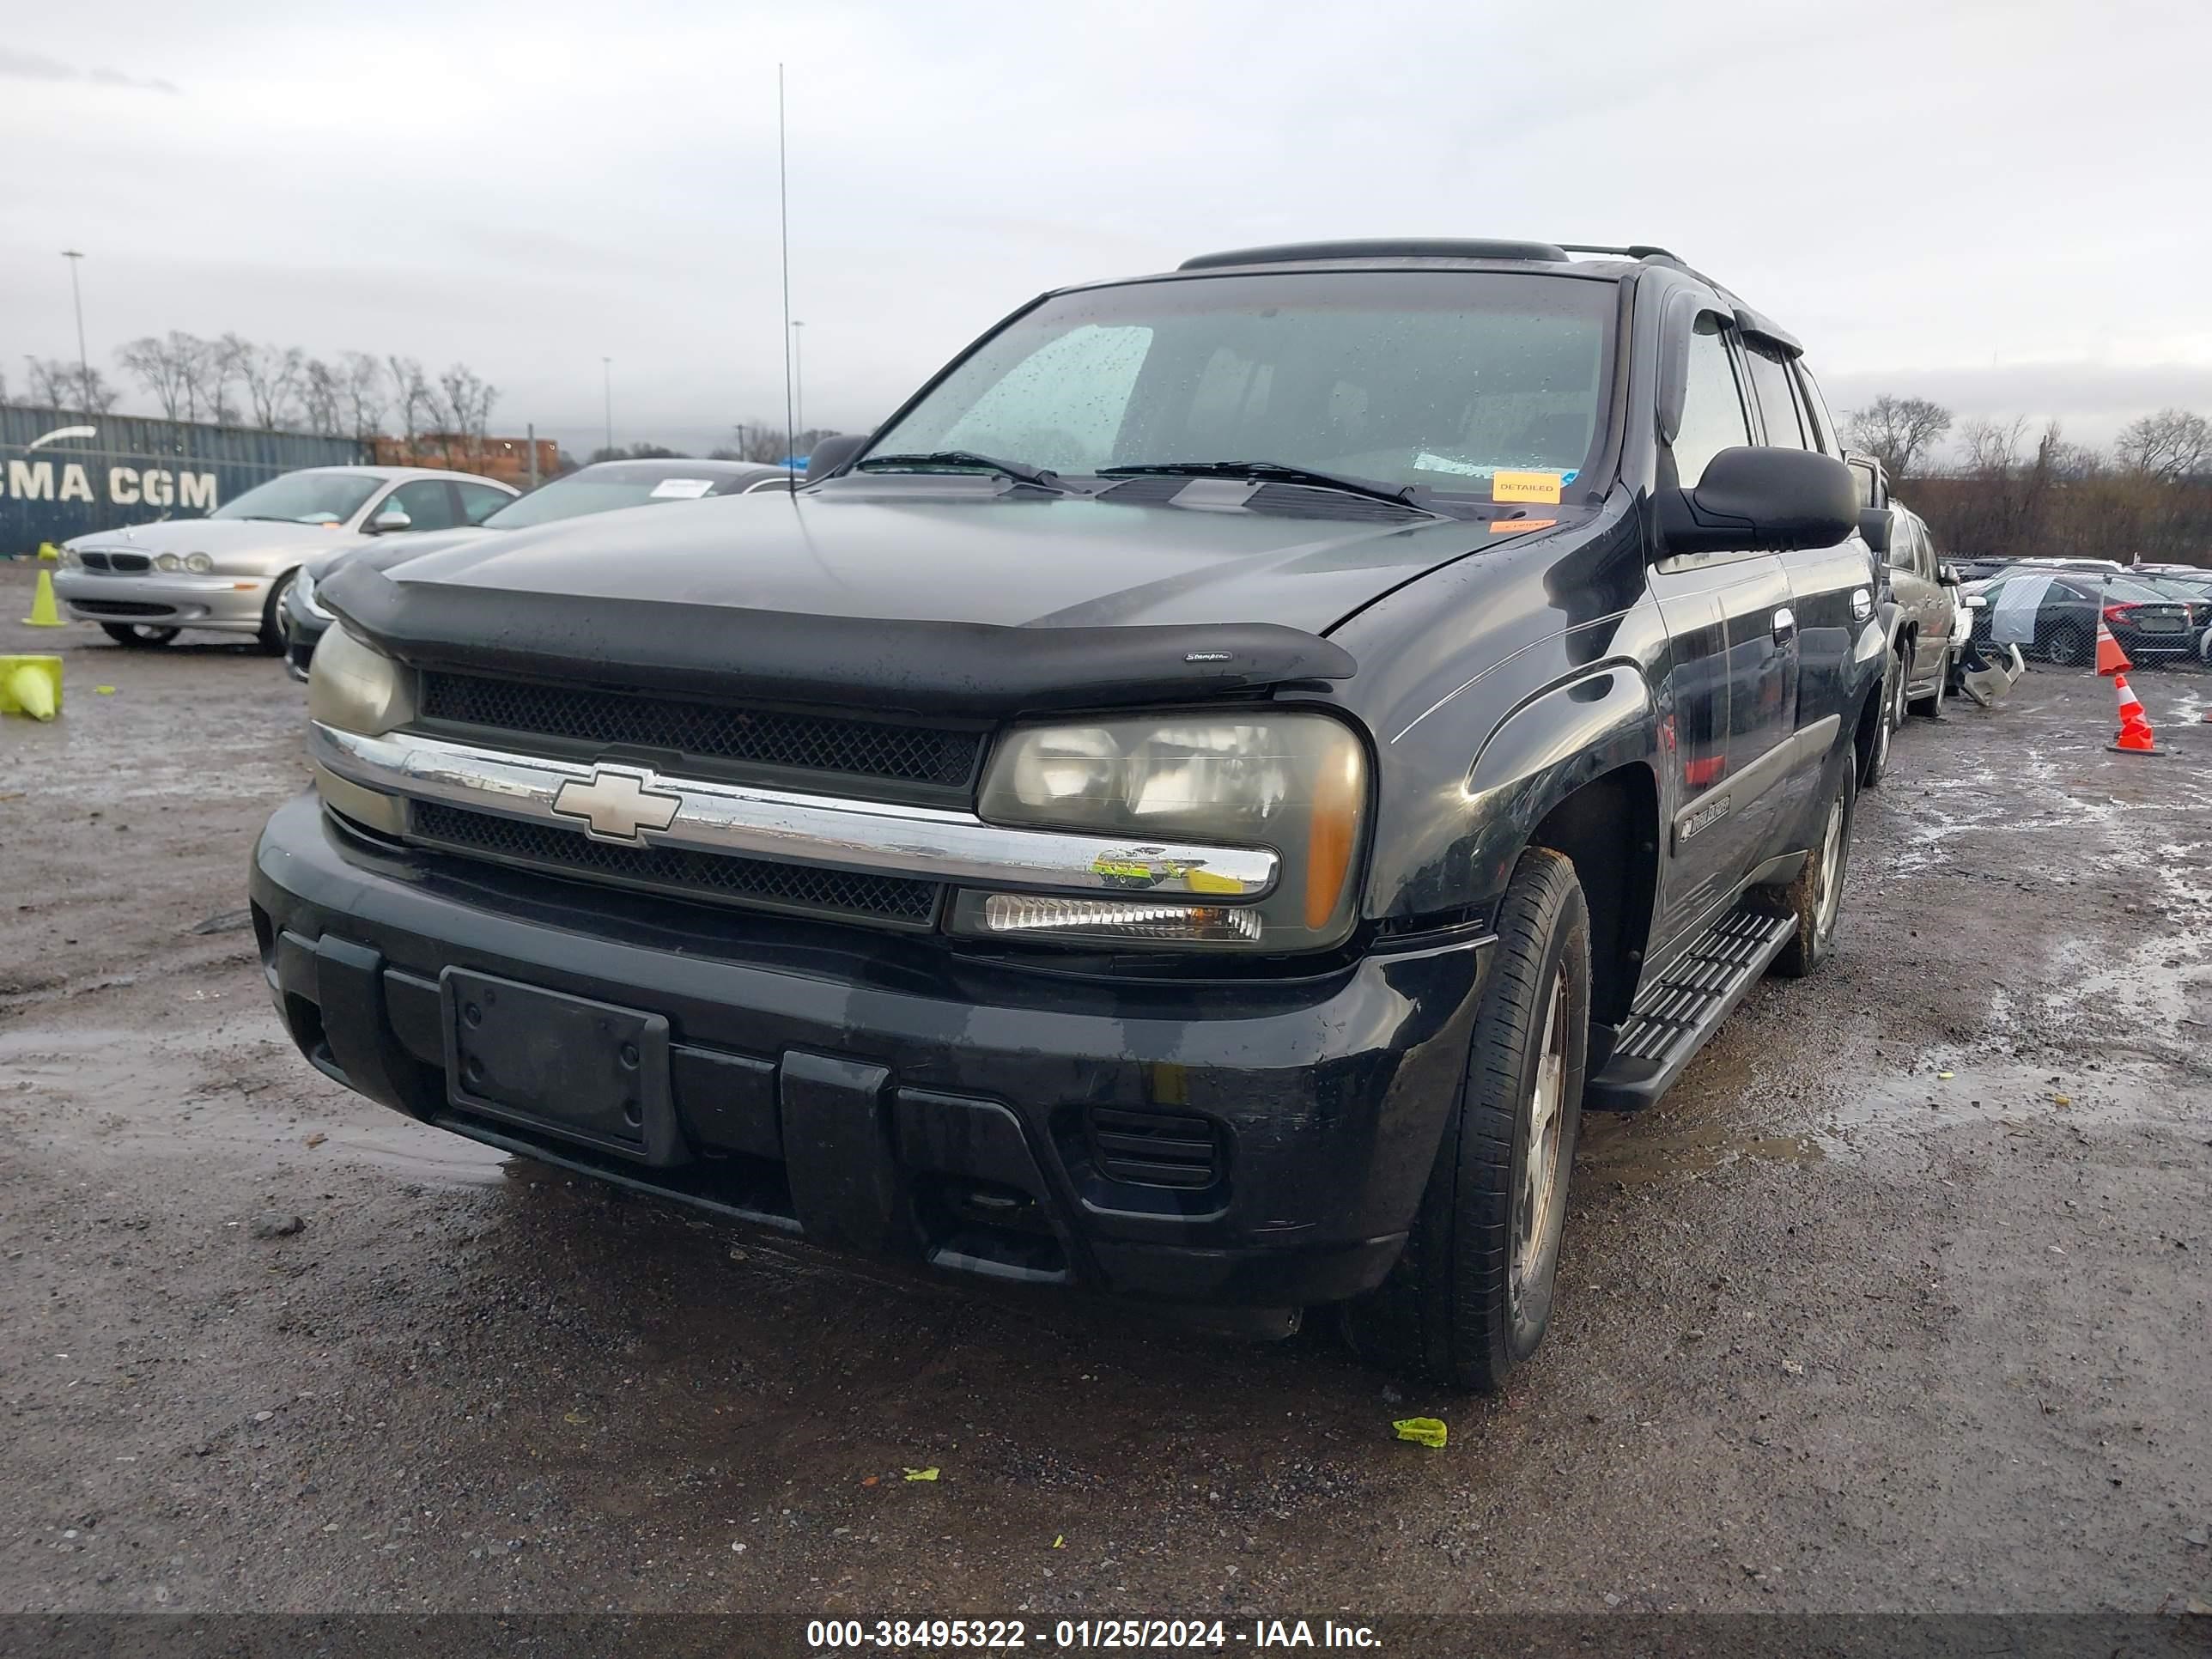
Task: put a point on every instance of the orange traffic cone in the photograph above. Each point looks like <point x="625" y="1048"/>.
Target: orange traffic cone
<point x="2111" y="660"/>
<point x="2135" y="736"/>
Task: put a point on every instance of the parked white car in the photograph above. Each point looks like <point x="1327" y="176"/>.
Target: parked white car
<point x="229" y="570"/>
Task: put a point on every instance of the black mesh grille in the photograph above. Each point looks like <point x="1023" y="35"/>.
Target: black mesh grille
<point x="131" y="564"/>
<point x="813" y="742"/>
<point x="893" y="899"/>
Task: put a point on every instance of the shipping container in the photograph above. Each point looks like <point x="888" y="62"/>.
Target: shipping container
<point x="63" y="474"/>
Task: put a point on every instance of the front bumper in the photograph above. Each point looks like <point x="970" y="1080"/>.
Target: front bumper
<point x="165" y="600"/>
<point x="877" y="1094"/>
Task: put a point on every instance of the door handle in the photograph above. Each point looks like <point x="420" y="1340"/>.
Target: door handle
<point x="1785" y="624"/>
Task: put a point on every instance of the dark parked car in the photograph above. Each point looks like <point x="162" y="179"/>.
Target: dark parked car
<point x="604" y="487"/>
<point x="1193" y="808"/>
<point x="2052" y="612"/>
<point x="2193" y="590"/>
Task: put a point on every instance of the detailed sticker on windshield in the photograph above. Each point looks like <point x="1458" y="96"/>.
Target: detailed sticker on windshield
<point x="1538" y="489"/>
<point x="689" y="489"/>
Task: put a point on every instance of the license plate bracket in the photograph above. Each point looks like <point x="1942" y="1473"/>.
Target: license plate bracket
<point x="586" y="1071"/>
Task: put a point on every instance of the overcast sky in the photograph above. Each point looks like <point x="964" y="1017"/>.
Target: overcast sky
<point x="2001" y="205"/>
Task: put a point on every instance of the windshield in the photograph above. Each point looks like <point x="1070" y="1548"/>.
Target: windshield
<point x="1441" y="377"/>
<point x="303" y="498"/>
<point x="574" y="497"/>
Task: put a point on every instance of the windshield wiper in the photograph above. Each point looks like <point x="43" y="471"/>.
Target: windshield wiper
<point x="1275" y="471"/>
<point x="1019" y="471"/>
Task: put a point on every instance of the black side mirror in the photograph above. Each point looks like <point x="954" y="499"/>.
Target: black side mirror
<point x="1756" y="498"/>
<point x="1873" y="525"/>
<point x="833" y="452"/>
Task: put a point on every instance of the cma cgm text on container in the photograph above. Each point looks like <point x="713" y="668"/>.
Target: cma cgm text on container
<point x="63" y="474"/>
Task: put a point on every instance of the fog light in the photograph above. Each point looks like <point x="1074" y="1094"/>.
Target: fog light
<point x="1027" y="913"/>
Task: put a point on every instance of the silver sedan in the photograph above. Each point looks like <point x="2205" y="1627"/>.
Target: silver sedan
<point x="229" y="571"/>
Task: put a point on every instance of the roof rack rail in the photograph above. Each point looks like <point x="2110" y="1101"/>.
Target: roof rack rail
<point x="1633" y="251"/>
<point x="1412" y="247"/>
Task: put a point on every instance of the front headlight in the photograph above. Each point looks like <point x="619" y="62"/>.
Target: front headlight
<point x="303" y="595"/>
<point x="167" y="561"/>
<point x="198" y="563"/>
<point x="1295" y="782"/>
<point x="357" y="689"/>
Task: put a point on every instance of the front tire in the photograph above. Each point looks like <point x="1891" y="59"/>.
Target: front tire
<point x="1472" y="1296"/>
<point x="1885" y="723"/>
<point x="138" y="636"/>
<point x="1931" y="706"/>
<point x="271" y="636"/>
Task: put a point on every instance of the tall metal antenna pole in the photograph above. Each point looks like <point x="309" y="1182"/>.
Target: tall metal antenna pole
<point x="83" y="362"/>
<point x="783" y="203"/>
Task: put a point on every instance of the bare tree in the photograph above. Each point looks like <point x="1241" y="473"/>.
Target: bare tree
<point x="160" y="370"/>
<point x="1898" y="431"/>
<point x="322" y="398"/>
<point x="2172" y="444"/>
<point x="364" y="393"/>
<point x="94" y="395"/>
<point x="53" y="382"/>
<point x="220" y="363"/>
<point x="412" y="400"/>
<point x="1992" y="447"/>
<point x="271" y="374"/>
<point x="464" y="405"/>
<point x="199" y="368"/>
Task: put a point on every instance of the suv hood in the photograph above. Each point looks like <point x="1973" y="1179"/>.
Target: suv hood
<point x="1012" y="561"/>
<point x="960" y="600"/>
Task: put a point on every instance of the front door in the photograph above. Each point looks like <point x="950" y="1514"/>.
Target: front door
<point x="1731" y="681"/>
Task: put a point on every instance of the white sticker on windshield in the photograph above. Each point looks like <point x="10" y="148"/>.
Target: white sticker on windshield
<point x="1431" y="462"/>
<point x="681" y="489"/>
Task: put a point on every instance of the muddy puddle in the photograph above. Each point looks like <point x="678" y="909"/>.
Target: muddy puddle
<point x="185" y="1094"/>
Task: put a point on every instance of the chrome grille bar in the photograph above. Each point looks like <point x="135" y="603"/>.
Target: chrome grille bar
<point x="710" y="817"/>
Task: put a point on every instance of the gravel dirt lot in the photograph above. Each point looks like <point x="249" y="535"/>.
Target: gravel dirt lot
<point x="1899" y="1302"/>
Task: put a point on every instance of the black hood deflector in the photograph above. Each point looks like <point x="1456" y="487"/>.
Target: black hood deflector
<point x="962" y="669"/>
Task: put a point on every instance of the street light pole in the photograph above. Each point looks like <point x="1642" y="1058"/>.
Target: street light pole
<point x="608" y="365"/>
<point x="83" y="361"/>
<point x="798" y="382"/>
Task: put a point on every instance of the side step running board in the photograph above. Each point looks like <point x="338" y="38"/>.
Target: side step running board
<point x="1677" y="1013"/>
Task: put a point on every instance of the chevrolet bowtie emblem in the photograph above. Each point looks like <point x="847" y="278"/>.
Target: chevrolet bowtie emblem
<point x="616" y="804"/>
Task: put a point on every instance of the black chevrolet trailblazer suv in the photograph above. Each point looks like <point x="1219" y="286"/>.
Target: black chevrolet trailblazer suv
<point x="1194" y="807"/>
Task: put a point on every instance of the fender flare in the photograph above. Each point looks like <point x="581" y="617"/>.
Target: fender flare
<point x="1562" y="739"/>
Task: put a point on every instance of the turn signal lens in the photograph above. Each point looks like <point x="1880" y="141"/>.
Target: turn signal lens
<point x="1339" y="791"/>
